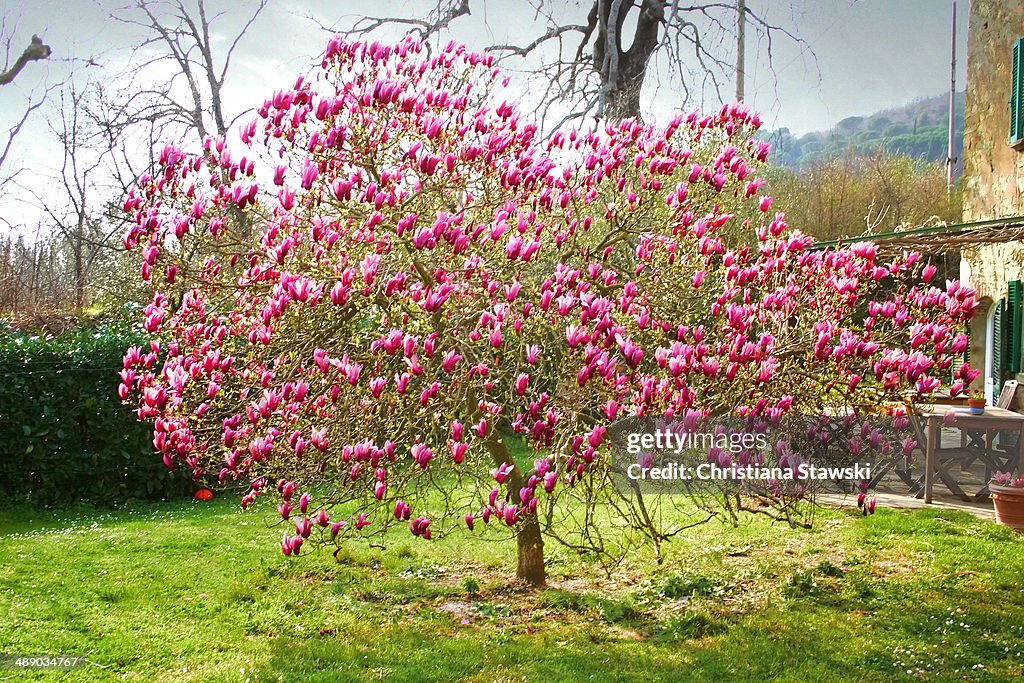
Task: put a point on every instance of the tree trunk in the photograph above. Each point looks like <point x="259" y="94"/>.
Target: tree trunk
<point x="79" y="256"/>
<point x="622" y="72"/>
<point x="530" y="542"/>
<point x="623" y="102"/>
<point x="530" y="567"/>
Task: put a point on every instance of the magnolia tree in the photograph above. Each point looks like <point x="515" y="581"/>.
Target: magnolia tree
<point x="391" y="281"/>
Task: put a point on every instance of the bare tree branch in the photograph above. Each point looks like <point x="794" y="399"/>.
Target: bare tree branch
<point x="553" y="32"/>
<point x="443" y="15"/>
<point x="35" y="51"/>
<point x="237" y="39"/>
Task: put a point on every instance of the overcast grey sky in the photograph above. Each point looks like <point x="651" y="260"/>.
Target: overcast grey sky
<point x="871" y="54"/>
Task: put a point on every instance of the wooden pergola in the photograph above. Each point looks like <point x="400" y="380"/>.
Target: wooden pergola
<point x="938" y="239"/>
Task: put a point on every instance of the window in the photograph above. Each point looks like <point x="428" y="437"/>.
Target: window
<point x="1017" y="95"/>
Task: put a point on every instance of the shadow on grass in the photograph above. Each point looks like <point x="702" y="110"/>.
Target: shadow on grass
<point x="865" y="599"/>
<point x="573" y="653"/>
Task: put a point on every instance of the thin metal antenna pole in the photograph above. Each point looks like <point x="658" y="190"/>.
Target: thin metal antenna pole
<point x="952" y="96"/>
<point x="741" y="46"/>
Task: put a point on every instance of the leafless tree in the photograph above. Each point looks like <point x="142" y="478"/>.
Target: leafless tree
<point x="35" y="51"/>
<point x="147" y="107"/>
<point x="108" y="131"/>
<point x="74" y="197"/>
<point x="172" y="90"/>
<point x="31" y="274"/>
<point x="180" y="34"/>
<point x="599" y="63"/>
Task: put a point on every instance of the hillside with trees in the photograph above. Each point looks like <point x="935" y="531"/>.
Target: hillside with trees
<point x="918" y="130"/>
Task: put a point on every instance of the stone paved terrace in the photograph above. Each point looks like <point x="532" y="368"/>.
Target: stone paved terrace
<point x="892" y="492"/>
<point x="941" y="500"/>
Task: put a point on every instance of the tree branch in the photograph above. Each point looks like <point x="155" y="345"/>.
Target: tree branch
<point x="35" y="51"/>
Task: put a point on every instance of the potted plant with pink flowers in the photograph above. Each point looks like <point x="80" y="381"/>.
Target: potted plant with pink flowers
<point x="976" y="402"/>
<point x="1008" y="496"/>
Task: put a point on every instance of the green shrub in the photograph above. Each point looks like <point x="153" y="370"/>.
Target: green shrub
<point x="690" y="625"/>
<point x="677" y="585"/>
<point x="801" y="584"/>
<point x="64" y="434"/>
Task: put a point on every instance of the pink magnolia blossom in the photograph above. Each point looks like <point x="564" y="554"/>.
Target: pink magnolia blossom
<point x="422" y="454"/>
<point x="502" y="472"/>
<point x="459" y="450"/>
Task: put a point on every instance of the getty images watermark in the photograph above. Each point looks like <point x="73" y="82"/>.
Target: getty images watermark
<point x="696" y="453"/>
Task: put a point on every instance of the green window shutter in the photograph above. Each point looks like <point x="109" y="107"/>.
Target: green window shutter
<point x="974" y="356"/>
<point x="1014" y="324"/>
<point x="998" y="344"/>
<point x="963" y="358"/>
<point x="1017" y="93"/>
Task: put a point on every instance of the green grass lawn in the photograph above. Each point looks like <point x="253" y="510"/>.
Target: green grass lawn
<point x="200" y="591"/>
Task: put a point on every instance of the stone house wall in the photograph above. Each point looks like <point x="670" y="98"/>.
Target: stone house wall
<point x="993" y="171"/>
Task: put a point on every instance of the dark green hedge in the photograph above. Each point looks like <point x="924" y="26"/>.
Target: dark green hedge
<point x="64" y="434"/>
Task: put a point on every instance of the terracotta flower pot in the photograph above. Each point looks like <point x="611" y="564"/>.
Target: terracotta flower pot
<point x="976" y="405"/>
<point x="1009" y="504"/>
